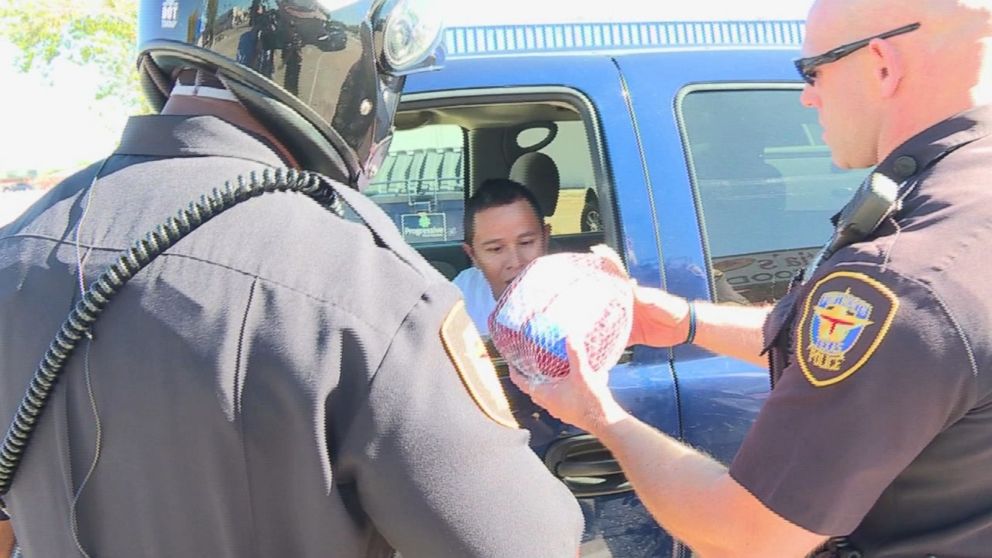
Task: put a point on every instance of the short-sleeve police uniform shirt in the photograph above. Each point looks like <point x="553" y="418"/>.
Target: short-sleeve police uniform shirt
<point x="880" y="422"/>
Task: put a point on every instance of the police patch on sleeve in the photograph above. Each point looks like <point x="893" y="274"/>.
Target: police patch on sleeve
<point x="845" y="318"/>
<point x="468" y="353"/>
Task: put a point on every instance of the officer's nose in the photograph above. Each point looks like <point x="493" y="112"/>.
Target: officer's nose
<point x="809" y="98"/>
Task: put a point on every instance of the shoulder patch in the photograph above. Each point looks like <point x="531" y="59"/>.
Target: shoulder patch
<point x="845" y="318"/>
<point x="468" y="353"/>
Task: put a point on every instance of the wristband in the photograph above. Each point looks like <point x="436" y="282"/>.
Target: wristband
<point x="691" y="336"/>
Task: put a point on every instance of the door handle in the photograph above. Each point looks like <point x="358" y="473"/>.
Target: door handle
<point x="586" y="467"/>
<point x="598" y="468"/>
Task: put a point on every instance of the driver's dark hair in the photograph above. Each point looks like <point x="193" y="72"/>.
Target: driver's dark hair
<point x="497" y="192"/>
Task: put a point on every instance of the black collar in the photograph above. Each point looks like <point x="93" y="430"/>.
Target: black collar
<point x="193" y="136"/>
<point x="921" y="151"/>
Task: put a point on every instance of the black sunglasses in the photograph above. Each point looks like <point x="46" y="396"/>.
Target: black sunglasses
<point x="807" y="66"/>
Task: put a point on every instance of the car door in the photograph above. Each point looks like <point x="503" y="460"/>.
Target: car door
<point x="746" y="190"/>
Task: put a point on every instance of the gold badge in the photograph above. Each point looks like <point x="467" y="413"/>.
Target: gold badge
<point x="845" y="318"/>
<point x="468" y="354"/>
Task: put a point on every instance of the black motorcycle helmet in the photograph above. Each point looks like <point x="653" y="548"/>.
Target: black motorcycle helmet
<point x="324" y="76"/>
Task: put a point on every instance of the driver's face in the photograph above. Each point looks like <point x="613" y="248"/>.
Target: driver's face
<point x="506" y="239"/>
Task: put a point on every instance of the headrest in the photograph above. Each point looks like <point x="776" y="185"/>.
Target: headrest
<point x="539" y="174"/>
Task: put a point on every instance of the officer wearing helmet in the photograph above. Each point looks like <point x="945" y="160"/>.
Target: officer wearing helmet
<point x="260" y="376"/>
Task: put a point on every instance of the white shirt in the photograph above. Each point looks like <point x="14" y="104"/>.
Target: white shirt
<point x="478" y="295"/>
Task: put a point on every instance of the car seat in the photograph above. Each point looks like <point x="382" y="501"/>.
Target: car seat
<point x="539" y="174"/>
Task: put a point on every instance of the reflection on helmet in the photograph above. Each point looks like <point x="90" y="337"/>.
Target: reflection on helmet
<point x="338" y="64"/>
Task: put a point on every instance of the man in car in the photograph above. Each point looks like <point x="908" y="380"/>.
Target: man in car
<point x="504" y="231"/>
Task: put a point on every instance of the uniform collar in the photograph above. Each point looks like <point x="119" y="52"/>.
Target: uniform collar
<point x="922" y="150"/>
<point x="193" y="136"/>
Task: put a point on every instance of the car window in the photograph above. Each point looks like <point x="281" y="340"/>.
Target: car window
<point x="765" y="184"/>
<point x="431" y="167"/>
<point x="421" y="183"/>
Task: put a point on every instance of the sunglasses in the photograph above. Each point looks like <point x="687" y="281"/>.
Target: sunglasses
<point x="807" y="66"/>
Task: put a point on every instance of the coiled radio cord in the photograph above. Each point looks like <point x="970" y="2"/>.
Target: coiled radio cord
<point x="128" y="264"/>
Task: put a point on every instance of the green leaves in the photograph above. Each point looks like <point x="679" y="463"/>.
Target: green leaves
<point x="96" y="33"/>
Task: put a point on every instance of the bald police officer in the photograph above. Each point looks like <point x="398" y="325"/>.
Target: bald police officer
<point x="878" y="432"/>
<point x="281" y="381"/>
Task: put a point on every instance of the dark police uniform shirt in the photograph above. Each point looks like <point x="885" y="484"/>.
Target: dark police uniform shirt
<point x="880" y="421"/>
<point x="282" y="382"/>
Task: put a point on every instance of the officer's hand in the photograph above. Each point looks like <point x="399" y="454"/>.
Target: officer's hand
<point x="582" y="398"/>
<point x="660" y="319"/>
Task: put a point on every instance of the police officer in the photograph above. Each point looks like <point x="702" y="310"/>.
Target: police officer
<point x="877" y="434"/>
<point x="280" y="381"/>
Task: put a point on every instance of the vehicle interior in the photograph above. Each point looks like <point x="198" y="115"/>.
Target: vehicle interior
<point x="441" y="153"/>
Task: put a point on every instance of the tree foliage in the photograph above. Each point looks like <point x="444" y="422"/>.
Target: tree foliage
<point x="94" y="33"/>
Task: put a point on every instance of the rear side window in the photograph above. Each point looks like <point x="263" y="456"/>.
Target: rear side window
<point x="765" y="184"/>
<point x="421" y="184"/>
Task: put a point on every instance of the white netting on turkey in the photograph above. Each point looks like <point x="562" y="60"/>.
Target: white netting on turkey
<point x="585" y="297"/>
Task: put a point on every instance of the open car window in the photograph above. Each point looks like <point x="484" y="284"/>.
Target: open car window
<point x="432" y="167"/>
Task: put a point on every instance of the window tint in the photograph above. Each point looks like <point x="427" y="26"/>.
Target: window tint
<point x="766" y="186"/>
<point x="421" y="183"/>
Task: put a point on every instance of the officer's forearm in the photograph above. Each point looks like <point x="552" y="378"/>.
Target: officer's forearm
<point x="694" y="498"/>
<point x="735" y="331"/>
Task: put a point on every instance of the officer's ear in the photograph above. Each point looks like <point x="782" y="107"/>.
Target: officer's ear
<point x="888" y="66"/>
